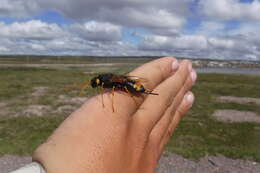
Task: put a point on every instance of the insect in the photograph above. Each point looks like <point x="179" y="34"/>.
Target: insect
<point x="130" y="84"/>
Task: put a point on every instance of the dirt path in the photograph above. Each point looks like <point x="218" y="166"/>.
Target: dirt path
<point x="228" y="115"/>
<point x="240" y="100"/>
<point x="172" y="163"/>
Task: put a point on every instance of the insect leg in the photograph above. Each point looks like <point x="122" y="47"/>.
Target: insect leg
<point x="132" y="96"/>
<point x="150" y="92"/>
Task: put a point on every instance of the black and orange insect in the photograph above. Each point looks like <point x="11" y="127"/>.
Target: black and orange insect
<point x="130" y="84"/>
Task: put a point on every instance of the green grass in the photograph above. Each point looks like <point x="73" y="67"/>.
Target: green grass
<point x="33" y="59"/>
<point x="22" y="135"/>
<point x="197" y="135"/>
<point x="18" y="82"/>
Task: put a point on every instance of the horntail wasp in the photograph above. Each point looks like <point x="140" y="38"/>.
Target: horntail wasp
<point x="130" y="84"/>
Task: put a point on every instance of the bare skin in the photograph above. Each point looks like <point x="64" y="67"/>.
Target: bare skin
<point x="131" y="139"/>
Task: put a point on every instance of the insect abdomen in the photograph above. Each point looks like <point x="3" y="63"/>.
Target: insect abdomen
<point x="134" y="87"/>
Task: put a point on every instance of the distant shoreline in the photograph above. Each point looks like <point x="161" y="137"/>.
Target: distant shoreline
<point x="199" y="69"/>
<point x="82" y="61"/>
<point x="243" y="71"/>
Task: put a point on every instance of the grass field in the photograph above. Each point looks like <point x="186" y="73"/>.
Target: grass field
<point x="197" y="135"/>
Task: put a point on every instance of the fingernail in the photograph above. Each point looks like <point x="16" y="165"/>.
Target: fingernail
<point x="175" y="65"/>
<point x="193" y="76"/>
<point x="189" y="98"/>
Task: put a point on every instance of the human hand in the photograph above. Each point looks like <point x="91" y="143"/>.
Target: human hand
<point x="129" y="140"/>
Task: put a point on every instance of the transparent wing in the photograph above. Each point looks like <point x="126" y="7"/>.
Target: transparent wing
<point x="137" y="78"/>
<point x="77" y="86"/>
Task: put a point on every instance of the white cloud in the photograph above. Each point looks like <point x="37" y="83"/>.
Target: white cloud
<point x="98" y="31"/>
<point x="172" y="43"/>
<point x="248" y="29"/>
<point x="154" y="18"/>
<point x="38" y="47"/>
<point x="18" y="8"/>
<point x="230" y="9"/>
<point x="221" y="43"/>
<point x="211" y="28"/>
<point x="98" y="28"/>
<point x="33" y="29"/>
<point x="251" y="57"/>
<point x="151" y="14"/>
<point x="190" y="42"/>
<point x="4" y="49"/>
<point x="204" y="46"/>
<point x="37" y="37"/>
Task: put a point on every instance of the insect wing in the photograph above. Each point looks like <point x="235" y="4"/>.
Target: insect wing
<point x="137" y="79"/>
<point x="77" y="86"/>
<point x="118" y="79"/>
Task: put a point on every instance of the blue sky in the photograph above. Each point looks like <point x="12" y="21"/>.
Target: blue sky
<point x="222" y="29"/>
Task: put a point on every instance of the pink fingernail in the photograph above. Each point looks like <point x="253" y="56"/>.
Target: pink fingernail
<point x="193" y="76"/>
<point x="189" y="98"/>
<point x="175" y="65"/>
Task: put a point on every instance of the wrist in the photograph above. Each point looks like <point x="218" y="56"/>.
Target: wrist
<point x="34" y="167"/>
<point x="55" y="158"/>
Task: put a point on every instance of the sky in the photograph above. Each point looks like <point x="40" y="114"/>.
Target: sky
<point x="217" y="29"/>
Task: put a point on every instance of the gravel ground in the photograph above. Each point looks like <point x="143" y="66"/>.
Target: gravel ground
<point x="11" y="162"/>
<point x="172" y="163"/>
<point x="210" y="164"/>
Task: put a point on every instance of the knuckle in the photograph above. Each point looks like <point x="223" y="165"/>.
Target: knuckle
<point x="181" y="111"/>
<point x="163" y="69"/>
<point x="154" y="139"/>
<point x="186" y="61"/>
<point x="186" y="86"/>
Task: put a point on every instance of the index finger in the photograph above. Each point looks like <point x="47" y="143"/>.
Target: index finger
<point x="154" y="71"/>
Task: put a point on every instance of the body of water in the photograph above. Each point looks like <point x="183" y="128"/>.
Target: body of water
<point x="246" y="71"/>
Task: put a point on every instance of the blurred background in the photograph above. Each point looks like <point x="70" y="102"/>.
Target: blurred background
<point x="47" y="48"/>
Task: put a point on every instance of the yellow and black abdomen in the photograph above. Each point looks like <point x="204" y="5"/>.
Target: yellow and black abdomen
<point x="135" y="87"/>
